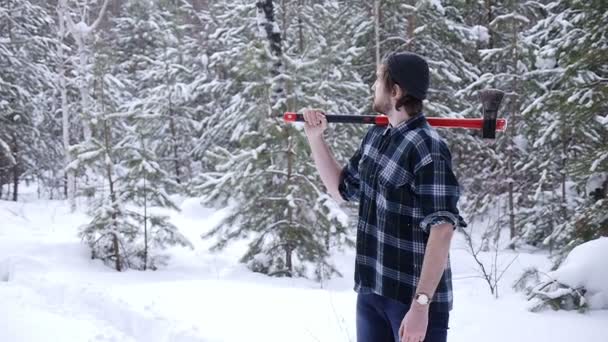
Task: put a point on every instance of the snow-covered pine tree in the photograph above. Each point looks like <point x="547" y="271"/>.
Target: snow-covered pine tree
<point x="229" y="67"/>
<point x="124" y="231"/>
<point x="325" y="56"/>
<point x="278" y="202"/>
<point x="253" y="175"/>
<point x="81" y="20"/>
<point x="82" y="30"/>
<point x="167" y="84"/>
<point x="24" y="82"/>
<point x="144" y="186"/>
<point x="544" y="207"/>
<point x="62" y="94"/>
<point x="48" y="152"/>
<point x="574" y="48"/>
<point x="494" y="176"/>
<point x="437" y="31"/>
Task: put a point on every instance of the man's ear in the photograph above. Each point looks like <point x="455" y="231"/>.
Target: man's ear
<point x="397" y="92"/>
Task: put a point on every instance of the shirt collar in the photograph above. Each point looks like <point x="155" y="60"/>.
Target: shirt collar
<point x="407" y="125"/>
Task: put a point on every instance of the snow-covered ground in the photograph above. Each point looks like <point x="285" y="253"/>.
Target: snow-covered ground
<point x="50" y="290"/>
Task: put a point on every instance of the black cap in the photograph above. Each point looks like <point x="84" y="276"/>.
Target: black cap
<point x="411" y="72"/>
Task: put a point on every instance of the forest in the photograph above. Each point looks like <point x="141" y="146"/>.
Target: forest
<point x="119" y="106"/>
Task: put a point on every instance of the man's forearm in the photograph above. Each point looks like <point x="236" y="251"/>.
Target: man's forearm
<point x="328" y="167"/>
<point x="435" y="258"/>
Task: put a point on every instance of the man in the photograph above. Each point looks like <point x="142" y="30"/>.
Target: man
<point x="402" y="177"/>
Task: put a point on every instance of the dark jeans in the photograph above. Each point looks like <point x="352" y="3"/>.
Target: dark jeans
<point x="379" y="319"/>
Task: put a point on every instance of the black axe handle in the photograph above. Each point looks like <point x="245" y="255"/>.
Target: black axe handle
<point x="489" y="124"/>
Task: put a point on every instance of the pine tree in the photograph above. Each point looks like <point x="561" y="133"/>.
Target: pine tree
<point x="24" y="56"/>
<point x="273" y="183"/>
<point x="124" y="231"/>
<point x="83" y="32"/>
<point x="145" y="185"/>
<point x="438" y="32"/>
<point x="167" y="79"/>
<point x="495" y="176"/>
<point x="574" y="48"/>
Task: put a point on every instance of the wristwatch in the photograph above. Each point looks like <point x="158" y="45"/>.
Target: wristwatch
<point x="422" y="299"/>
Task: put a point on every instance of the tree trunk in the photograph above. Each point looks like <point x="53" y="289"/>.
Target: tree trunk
<point x="290" y="154"/>
<point x="170" y="82"/>
<point x="266" y="9"/>
<point x="490" y="17"/>
<point x="377" y="30"/>
<point x="564" y="210"/>
<point x="288" y="262"/>
<point x="290" y="161"/>
<point x="300" y="28"/>
<point x="116" y="252"/>
<point x="69" y="177"/>
<point x="81" y="41"/>
<point x="174" y="143"/>
<point x="411" y="27"/>
<point x="510" y="137"/>
<point x="145" y="223"/>
<point x="112" y="198"/>
<point x="84" y="93"/>
<point x="109" y="172"/>
<point x="15" y="168"/>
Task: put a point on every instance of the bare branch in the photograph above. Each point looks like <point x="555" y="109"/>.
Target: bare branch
<point x="506" y="268"/>
<point x="100" y="17"/>
<point x="68" y="17"/>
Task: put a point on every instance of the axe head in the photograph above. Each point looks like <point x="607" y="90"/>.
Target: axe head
<point x="490" y="102"/>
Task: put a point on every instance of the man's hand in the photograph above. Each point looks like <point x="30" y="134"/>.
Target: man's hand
<point x="414" y="324"/>
<point x="316" y="123"/>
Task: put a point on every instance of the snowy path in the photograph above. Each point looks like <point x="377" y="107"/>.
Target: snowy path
<point x="51" y="291"/>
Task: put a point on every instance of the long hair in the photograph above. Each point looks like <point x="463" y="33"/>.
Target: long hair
<point x="412" y="105"/>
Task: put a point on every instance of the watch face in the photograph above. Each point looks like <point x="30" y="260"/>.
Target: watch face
<point x="422" y="299"/>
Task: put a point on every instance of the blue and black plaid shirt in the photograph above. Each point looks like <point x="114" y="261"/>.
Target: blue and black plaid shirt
<point x="402" y="177"/>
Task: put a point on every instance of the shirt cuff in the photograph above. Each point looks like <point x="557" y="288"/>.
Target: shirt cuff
<point x="439" y="218"/>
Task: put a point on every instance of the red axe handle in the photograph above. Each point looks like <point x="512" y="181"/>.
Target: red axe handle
<point x="382" y="120"/>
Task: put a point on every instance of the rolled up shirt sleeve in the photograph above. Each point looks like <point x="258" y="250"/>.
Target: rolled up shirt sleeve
<point x="438" y="193"/>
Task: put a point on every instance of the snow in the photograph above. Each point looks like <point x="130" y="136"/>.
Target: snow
<point x="334" y="210"/>
<point x="437" y="4"/>
<point x="451" y="76"/>
<point x="481" y="33"/>
<point x="50" y="289"/>
<point x="509" y="18"/>
<point x="82" y="29"/>
<point x="5" y="149"/>
<point x="419" y="30"/>
<point x="597" y="162"/>
<point x="596" y="181"/>
<point x="546" y="59"/>
<point x="521" y="142"/>
<point x="582" y="269"/>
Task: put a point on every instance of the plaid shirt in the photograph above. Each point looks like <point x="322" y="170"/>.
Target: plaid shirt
<point x="402" y="177"/>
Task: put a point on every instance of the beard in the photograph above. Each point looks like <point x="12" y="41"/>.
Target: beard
<point x="382" y="105"/>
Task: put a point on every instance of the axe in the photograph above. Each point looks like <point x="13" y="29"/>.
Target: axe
<point x="489" y="124"/>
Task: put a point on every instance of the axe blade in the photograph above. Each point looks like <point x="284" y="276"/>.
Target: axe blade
<point x="490" y="102"/>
